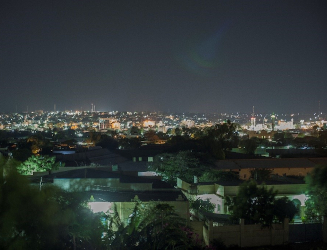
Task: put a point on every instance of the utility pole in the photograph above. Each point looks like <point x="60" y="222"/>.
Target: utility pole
<point x="41" y="183"/>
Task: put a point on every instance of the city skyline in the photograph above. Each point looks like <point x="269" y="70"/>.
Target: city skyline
<point x="185" y="56"/>
<point x="93" y="109"/>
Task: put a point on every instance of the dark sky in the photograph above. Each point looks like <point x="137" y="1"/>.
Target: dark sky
<point x="190" y="56"/>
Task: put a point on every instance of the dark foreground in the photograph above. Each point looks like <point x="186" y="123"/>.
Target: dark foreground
<point x="293" y="246"/>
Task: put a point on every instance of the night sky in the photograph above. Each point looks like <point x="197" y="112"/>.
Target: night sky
<point x="177" y="56"/>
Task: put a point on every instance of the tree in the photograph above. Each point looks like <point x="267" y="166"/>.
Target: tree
<point x="151" y="136"/>
<point x="323" y="137"/>
<point x="107" y="142"/>
<point x="94" y="138"/>
<point x="178" y="131"/>
<point x="279" y="136"/>
<point x="38" y="164"/>
<point x="258" y="205"/>
<point x="152" y="226"/>
<point x="135" y="131"/>
<point x="317" y="190"/>
<point x="181" y="143"/>
<point x="25" y="215"/>
<point x="225" y="133"/>
<point x="50" y="218"/>
<point x="183" y="165"/>
<point x="80" y="228"/>
<point x="212" y="146"/>
<point x="250" y="145"/>
<point x="253" y="204"/>
<point x="212" y="175"/>
<point x="192" y="133"/>
<point x="219" y="139"/>
<point x="315" y="130"/>
<point x="132" y="143"/>
<point x="38" y="143"/>
<point x="21" y="154"/>
<point x="284" y="208"/>
<point x="6" y="165"/>
<point x="162" y="135"/>
<point x="260" y="174"/>
<point x="311" y="213"/>
<point x="202" y="205"/>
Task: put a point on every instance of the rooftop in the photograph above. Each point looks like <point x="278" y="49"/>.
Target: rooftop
<point x="104" y="173"/>
<point x="106" y="196"/>
<point x="270" y="163"/>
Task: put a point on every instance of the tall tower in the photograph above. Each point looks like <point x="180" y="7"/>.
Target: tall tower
<point x="273" y="121"/>
<point x="253" y="119"/>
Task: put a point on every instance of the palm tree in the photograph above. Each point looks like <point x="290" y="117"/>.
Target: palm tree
<point x="154" y="226"/>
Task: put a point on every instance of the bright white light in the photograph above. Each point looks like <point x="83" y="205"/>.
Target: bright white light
<point x="302" y="198"/>
<point x="98" y="207"/>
